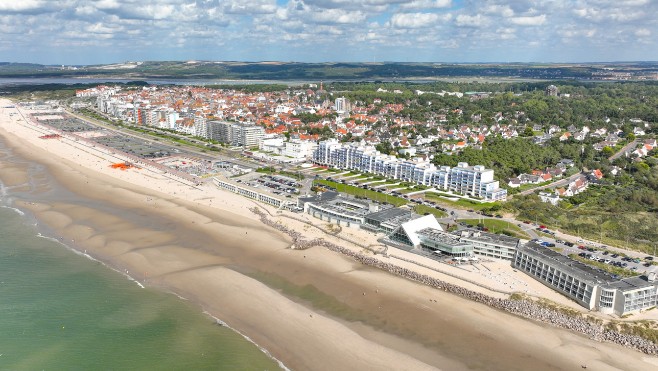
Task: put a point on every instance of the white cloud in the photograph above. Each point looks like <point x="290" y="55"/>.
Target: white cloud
<point x="427" y="4"/>
<point x="249" y="7"/>
<point x="414" y="20"/>
<point x="477" y="20"/>
<point x="642" y="32"/>
<point x="23" y="6"/>
<point x="337" y="16"/>
<point x="497" y="9"/>
<point x="329" y="29"/>
<point x="529" y="21"/>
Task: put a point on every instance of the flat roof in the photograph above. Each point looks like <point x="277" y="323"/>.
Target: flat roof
<point x="447" y="239"/>
<point x="630" y="284"/>
<point x="574" y="268"/>
<point x="476" y="235"/>
<point x="322" y="197"/>
<point x="387" y="214"/>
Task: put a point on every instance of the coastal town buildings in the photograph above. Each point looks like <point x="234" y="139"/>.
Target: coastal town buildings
<point x="474" y="181"/>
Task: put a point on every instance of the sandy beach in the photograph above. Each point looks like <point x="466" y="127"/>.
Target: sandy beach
<point x="311" y="309"/>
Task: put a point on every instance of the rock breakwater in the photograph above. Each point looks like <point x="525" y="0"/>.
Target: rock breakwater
<point x="524" y="308"/>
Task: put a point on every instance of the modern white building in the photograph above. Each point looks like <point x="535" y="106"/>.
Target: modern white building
<point x="341" y="105"/>
<point x="254" y="194"/>
<point x="476" y="181"/>
<point x="236" y="134"/>
<point x="589" y="287"/>
<point x="490" y="245"/>
<point x="295" y="150"/>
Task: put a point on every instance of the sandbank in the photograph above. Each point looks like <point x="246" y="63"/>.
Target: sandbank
<point x="205" y="245"/>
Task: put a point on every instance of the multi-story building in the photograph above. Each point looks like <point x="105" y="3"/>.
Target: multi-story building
<point x="341" y="105"/>
<point x="235" y="134"/>
<point x="246" y="135"/>
<point x="201" y="126"/>
<point x="220" y="131"/>
<point x="489" y="244"/>
<point x="589" y="287"/>
<point x="467" y="180"/>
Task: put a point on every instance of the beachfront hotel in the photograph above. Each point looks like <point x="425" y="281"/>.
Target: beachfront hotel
<point x="254" y="194"/>
<point x="474" y="181"/>
<point x="490" y="245"/>
<point x="592" y="288"/>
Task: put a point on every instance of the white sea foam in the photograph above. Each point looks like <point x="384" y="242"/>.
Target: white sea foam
<point x="19" y="212"/>
<point x="78" y="252"/>
<point x="222" y="323"/>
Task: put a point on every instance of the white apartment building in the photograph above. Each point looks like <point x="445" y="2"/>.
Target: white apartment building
<point x="589" y="287"/>
<point x="295" y="148"/>
<point x="246" y="135"/>
<point x="200" y="126"/>
<point x="341" y="105"/>
<point x="236" y="134"/>
<point x="171" y="119"/>
<point x="467" y="180"/>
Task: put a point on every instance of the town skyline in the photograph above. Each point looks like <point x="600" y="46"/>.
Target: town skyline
<point x="80" y="32"/>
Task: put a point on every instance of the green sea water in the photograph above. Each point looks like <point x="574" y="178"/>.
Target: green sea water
<point x="62" y="311"/>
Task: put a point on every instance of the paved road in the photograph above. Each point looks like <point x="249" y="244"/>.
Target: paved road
<point x="531" y="229"/>
<point x="623" y="150"/>
<point x="227" y="155"/>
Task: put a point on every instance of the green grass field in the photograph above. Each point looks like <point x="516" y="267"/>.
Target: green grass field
<point x="360" y="192"/>
<point x="461" y="203"/>
<point x="497" y="226"/>
<point x="423" y="209"/>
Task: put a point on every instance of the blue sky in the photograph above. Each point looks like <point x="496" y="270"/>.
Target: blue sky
<point x="109" y="31"/>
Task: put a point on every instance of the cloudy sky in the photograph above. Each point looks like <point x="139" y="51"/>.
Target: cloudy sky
<point x="108" y="31"/>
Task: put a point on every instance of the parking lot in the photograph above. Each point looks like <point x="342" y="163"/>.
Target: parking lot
<point x="276" y="184"/>
<point x="595" y="252"/>
<point x="600" y="254"/>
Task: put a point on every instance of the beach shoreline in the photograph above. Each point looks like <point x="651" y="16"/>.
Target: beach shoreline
<point x="224" y="217"/>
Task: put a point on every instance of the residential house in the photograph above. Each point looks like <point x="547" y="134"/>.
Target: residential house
<point x="549" y="197"/>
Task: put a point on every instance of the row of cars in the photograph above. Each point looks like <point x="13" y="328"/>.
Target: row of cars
<point x="595" y="258"/>
<point x="278" y="185"/>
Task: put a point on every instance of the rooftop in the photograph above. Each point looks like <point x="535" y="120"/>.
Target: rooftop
<point x="572" y="267"/>
<point x="498" y="239"/>
<point x="630" y="284"/>
<point x="388" y="214"/>
<point x="447" y="239"/>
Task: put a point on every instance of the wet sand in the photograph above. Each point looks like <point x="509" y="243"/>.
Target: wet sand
<point x="311" y="309"/>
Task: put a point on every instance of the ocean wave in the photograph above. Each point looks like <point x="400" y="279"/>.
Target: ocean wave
<point x="84" y="254"/>
<point x="267" y="353"/>
<point x="19" y="212"/>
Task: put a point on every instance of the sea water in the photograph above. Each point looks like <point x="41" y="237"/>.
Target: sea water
<point x="60" y="310"/>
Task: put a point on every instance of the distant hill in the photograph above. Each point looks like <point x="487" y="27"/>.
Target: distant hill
<point x="331" y="71"/>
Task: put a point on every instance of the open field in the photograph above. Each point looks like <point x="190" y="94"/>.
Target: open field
<point x="461" y="203"/>
<point x="360" y="192"/>
<point x="497" y="226"/>
<point x="423" y="209"/>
